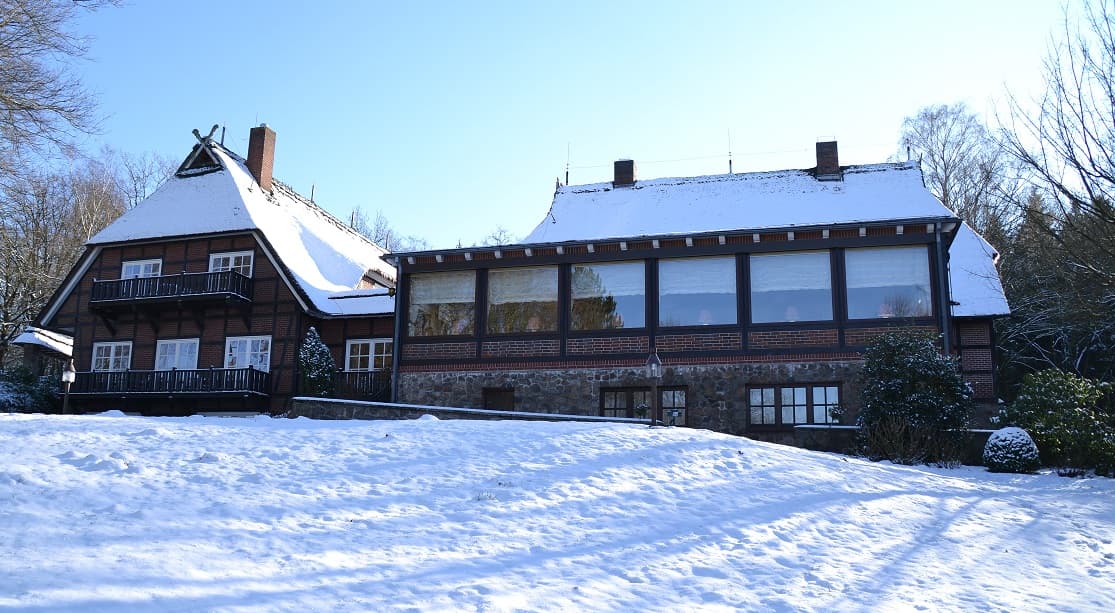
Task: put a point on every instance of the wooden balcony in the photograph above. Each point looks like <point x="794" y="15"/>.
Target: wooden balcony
<point x="171" y="383"/>
<point x="119" y="294"/>
<point x="374" y="386"/>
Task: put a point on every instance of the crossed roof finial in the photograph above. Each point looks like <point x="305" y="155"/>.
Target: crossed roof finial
<point x="205" y="140"/>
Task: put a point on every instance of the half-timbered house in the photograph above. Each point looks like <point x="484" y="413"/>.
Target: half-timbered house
<point x="199" y="297"/>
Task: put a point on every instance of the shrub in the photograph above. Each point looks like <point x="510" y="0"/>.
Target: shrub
<point x="915" y="405"/>
<point x="316" y="364"/>
<point x="1070" y="418"/>
<point x="22" y="392"/>
<point x="1011" y="450"/>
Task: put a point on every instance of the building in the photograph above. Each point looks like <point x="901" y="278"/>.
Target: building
<point x="756" y="292"/>
<point x="199" y="297"/>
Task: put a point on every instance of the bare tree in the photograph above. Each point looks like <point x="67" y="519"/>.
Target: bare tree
<point x="499" y="236"/>
<point x="1069" y="141"/>
<point x="42" y="105"/>
<point x="141" y="175"/>
<point x="967" y="169"/>
<point x="1059" y="271"/>
<point x="380" y="232"/>
<point x="45" y="221"/>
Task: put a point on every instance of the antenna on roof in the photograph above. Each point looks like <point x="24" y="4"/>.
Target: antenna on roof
<point x="907" y="153"/>
<point x="567" y="162"/>
<point x="729" y="151"/>
<point x="222" y="136"/>
<point x="313" y="186"/>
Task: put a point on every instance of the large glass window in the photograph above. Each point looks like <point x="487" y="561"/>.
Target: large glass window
<point x="442" y="303"/>
<point x="245" y="351"/>
<point x="888" y="282"/>
<point x="791" y="287"/>
<point x="178" y="353"/>
<point x="791" y="405"/>
<point x="697" y="291"/>
<point x="115" y="356"/>
<point x="523" y="299"/>
<point x="608" y="296"/>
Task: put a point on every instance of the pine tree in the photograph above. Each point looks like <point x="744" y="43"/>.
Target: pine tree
<point x="316" y="364"/>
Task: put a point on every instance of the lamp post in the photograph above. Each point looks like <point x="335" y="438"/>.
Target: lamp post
<point x="69" y="375"/>
<point x="654" y="373"/>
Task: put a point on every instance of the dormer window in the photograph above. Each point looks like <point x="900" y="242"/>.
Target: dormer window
<point x="239" y="261"/>
<point x="135" y="269"/>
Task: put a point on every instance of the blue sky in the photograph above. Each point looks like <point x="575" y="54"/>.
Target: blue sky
<point x="454" y="119"/>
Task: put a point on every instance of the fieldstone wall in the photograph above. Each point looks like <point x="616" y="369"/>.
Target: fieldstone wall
<point x="717" y="393"/>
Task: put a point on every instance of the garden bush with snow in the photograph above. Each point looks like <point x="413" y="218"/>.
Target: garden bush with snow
<point x="916" y="408"/>
<point x="1011" y="450"/>
<point x="1071" y="419"/>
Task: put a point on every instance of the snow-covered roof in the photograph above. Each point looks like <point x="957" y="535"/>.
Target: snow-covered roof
<point x="324" y="256"/>
<point x="889" y="192"/>
<point x="976" y="288"/>
<point x="54" y="341"/>
<point x="757" y="200"/>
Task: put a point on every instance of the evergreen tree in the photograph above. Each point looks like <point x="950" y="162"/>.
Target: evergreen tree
<point x="316" y="364"/>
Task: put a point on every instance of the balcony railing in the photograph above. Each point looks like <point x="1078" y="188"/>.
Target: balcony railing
<point x="212" y="381"/>
<point x="228" y="283"/>
<point x="374" y="385"/>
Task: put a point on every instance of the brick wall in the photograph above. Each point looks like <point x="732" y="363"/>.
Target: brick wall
<point x="788" y="339"/>
<point x="722" y="341"/>
<point x="439" y="351"/>
<point x="599" y="345"/>
<point x="857" y="337"/>
<point x="520" y="348"/>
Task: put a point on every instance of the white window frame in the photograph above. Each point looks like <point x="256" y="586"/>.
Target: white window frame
<point x="265" y="366"/>
<point x="177" y="343"/>
<point x="374" y="350"/>
<point x="231" y="256"/>
<point x="114" y="354"/>
<point x="145" y="268"/>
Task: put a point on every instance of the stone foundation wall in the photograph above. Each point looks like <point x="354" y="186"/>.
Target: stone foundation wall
<point x="717" y="393"/>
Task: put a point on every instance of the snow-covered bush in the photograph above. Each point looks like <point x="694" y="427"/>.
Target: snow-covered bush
<point x="1070" y="418"/>
<point x="22" y="392"/>
<point x="915" y="405"/>
<point x="1010" y="450"/>
<point x="316" y="364"/>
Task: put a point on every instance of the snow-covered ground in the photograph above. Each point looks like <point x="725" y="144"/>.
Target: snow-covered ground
<point x="145" y="514"/>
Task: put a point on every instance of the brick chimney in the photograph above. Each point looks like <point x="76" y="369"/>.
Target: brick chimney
<point x="261" y="155"/>
<point x="828" y="162"/>
<point x="625" y="173"/>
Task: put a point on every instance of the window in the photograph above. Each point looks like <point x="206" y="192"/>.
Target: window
<point x="499" y="399"/>
<point x="791" y="287"/>
<point x="792" y="405"/>
<point x="888" y="282"/>
<point x="239" y="261"/>
<point x="442" y="304"/>
<point x="141" y="268"/>
<point x="673" y="406"/>
<point x="112" y="356"/>
<point x="245" y="351"/>
<point x="625" y="402"/>
<point x="697" y="291"/>
<point x="523" y="300"/>
<point x="366" y="354"/>
<point x="606" y="296"/>
<point x="179" y="353"/>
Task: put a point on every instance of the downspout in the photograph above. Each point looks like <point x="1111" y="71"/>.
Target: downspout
<point x="395" y="351"/>
<point x="944" y="317"/>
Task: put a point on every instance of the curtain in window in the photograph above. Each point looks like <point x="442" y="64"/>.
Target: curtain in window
<point x="791" y="287"/>
<point x="522" y="299"/>
<point x="888" y="282"/>
<point x="697" y="291"/>
<point x="609" y="295"/>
